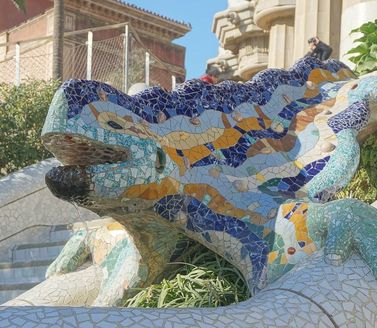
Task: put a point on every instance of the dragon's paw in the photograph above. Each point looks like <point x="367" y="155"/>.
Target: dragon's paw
<point x="74" y="253"/>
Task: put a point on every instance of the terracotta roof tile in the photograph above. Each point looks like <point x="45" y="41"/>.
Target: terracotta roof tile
<point x="125" y="3"/>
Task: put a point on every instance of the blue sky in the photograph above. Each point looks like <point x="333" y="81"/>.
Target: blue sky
<point x="201" y="44"/>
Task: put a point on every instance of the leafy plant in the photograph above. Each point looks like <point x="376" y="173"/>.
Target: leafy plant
<point x="22" y="113"/>
<point x="363" y="186"/>
<point x="366" y="51"/>
<point x="368" y="158"/>
<point x="20" y="5"/>
<point x="208" y="281"/>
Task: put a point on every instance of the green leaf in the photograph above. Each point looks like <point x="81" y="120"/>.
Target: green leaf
<point x="366" y="67"/>
<point x="355" y="59"/>
<point x="364" y="184"/>
<point x="362" y="48"/>
<point x="355" y="30"/>
<point x="368" y="28"/>
<point x="22" y="113"/>
<point x="373" y="51"/>
<point x="362" y="39"/>
<point x="207" y="281"/>
<point x="372" y="38"/>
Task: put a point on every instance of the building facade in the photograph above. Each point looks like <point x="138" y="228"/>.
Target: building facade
<point x="155" y="33"/>
<point x="256" y="34"/>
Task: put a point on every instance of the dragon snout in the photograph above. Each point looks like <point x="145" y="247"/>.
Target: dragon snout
<point x="71" y="183"/>
<point x="79" y="150"/>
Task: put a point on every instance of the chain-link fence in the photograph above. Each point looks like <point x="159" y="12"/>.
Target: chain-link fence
<point x="115" y="55"/>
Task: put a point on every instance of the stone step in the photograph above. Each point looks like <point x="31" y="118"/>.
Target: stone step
<point x="18" y="277"/>
<point x="37" y="251"/>
<point x="6" y="295"/>
<point x="27" y="263"/>
<point x="21" y="286"/>
<point x="29" y="274"/>
<point x="24" y="264"/>
<point x="10" y="291"/>
<point x="60" y="233"/>
<point x="55" y="233"/>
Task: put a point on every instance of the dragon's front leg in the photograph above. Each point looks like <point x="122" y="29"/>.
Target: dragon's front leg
<point x="122" y="268"/>
<point x="72" y="256"/>
<point x="347" y="225"/>
<point x="137" y="258"/>
<point x="122" y="259"/>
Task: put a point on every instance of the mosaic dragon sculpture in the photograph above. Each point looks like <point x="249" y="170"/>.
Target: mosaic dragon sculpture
<point x="246" y="169"/>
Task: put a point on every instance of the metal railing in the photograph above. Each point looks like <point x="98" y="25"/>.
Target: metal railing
<point x="121" y="59"/>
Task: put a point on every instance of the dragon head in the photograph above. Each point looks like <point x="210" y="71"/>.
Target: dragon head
<point x="104" y="147"/>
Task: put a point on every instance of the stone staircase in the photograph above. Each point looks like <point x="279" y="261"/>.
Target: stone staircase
<point x="24" y="265"/>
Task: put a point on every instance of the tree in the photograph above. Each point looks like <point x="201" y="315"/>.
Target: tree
<point x="366" y="51"/>
<point x="58" y="40"/>
<point x="20" y="5"/>
<point x="58" y="36"/>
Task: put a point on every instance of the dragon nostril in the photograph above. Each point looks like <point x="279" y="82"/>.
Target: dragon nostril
<point x="354" y="86"/>
<point x="114" y="125"/>
<point x="160" y="160"/>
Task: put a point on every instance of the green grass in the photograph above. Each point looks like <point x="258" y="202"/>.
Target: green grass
<point x="204" y="279"/>
<point x="363" y="185"/>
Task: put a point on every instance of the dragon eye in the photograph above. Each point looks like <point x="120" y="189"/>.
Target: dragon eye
<point x="114" y="125"/>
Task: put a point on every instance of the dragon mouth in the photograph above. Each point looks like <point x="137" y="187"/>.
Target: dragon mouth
<point x="72" y="182"/>
<point x="78" y="150"/>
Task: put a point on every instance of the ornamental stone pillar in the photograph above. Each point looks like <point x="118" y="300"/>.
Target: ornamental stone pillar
<point x="245" y="45"/>
<point x="277" y="16"/>
<point x="227" y="62"/>
<point x="317" y="18"/>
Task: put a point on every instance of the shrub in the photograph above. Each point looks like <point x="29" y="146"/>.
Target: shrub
<point x="22" y="113"/>
<point x="363" y="186"/>
<point x="366" y="51"/>
<point x="207" y="280"/>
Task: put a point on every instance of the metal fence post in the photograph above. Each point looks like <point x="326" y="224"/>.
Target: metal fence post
<point x="125" y="47"/>
<point x="147" y="63"/>
<point x="173" y="82"/>
<point x="89" y="57"/>
<point x="18" y="68"/>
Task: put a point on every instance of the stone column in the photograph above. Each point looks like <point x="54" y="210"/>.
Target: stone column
<point x="245" y="44"/>
<point x="317" y="18"/>
<point x="354" y="14"/>
<point x="253" y="55"/>
<point x="277" y="16"/>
